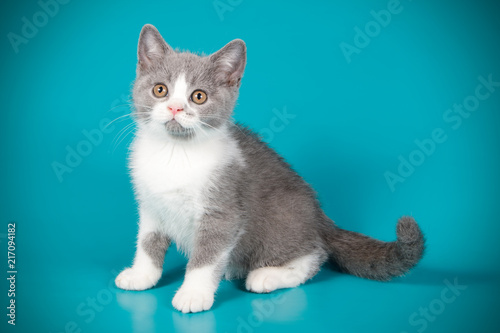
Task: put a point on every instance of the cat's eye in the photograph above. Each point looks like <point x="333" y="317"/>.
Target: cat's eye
<point x="199" y="96"/>
<point x="160" y="90"/>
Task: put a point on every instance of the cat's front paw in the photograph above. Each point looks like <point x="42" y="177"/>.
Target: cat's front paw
<point x="135" y="279"/>
<point x="189" y="300"/>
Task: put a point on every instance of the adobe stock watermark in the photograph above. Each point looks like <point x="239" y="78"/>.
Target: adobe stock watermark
<point x="426" y="315"/>
<point x="92" y="138"/>
<point x="454" y="117"/>
<point x="265" y="308"/>
<point x="88" y="309"/>
<point x="277" y="124"/>
<point x="262" y="310"/>
<point x="48" y="9"/>
<point x="372" y="29"/>
<point x="223" y="6"/>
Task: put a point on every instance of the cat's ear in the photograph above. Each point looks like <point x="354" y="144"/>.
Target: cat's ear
<point x="230" y="62"/>
<point x="152" y="47"/>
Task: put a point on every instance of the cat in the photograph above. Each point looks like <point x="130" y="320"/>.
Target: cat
<point x="230" y="203"/>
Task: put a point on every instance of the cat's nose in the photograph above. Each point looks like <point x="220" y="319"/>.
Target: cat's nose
<point x="174" y="108"/>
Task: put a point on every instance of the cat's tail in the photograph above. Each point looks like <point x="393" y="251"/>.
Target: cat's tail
<point x="366" y="257"/>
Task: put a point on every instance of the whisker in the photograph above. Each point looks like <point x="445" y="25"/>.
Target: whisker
<point x="171" y="154"/>
<point x="117" y="118"/>
<point x="187" y="157"/>
<point x="143" y="106"/>
<point x="118" y="106"/>
<point x="128" y="133"/>
<point x="123" y="130"/>
<point x="215" y="129"/>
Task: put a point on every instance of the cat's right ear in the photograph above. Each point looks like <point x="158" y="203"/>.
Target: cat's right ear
<point x="152" y="47"/>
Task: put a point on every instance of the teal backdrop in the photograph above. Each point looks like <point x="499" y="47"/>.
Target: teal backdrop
<point x="386" y="108"/>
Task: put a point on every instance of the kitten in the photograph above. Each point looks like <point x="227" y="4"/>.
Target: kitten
<point x="227" y="200"/>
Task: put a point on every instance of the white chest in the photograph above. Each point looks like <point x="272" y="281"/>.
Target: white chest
<point x="172" y="179"/>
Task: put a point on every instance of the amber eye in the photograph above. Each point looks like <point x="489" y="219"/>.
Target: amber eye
<point x="199" y="96"/>
<point x="160" y="90"/>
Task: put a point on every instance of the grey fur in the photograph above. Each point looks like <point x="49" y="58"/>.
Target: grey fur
<point x="279" y="208"/>
<point x="155" y="244"/>
<point x="366" y="257"/>
<point x="261" y="213"/>
<point x="210" y="74"/>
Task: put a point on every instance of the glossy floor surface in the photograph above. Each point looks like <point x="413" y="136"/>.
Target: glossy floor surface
<point x="362" y="98"/>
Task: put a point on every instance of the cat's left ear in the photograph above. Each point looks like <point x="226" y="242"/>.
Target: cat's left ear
<point x="230" y="62"/>
<point x="152" y="47"/>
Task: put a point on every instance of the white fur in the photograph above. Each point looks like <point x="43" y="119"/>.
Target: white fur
<point x="172" y="179"/>
<point x="143" y="274"/>
<point x="134" y="279"/>
<point x="180" y="92"/>
<point x="197" y="292"/>
<point x="160" y="115"/>
<point x="267" y="279"/>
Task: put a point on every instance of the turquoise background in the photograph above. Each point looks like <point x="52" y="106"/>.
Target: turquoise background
<point x="352" y="122"/>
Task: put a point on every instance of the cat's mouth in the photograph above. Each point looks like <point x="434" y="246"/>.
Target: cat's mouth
<point x="175" y="129"/>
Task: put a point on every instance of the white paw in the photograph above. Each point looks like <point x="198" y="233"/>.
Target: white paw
<point x="135" y="279"/>
<point x="264" y="280"/>
<point x="191" y="300"/>
<point x="267" y="279"/>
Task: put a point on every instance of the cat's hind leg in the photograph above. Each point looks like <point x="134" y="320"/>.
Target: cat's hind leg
<point x="292" y="274"/>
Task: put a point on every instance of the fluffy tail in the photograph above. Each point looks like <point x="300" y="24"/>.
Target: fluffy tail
<point x="366" y="257"/>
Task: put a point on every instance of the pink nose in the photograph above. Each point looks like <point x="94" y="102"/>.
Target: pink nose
<point x="175" y="108"/>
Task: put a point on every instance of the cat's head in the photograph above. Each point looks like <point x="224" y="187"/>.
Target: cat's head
<point x="184" y="95"/>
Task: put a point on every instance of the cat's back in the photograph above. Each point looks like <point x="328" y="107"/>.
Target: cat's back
<point x="263" y="160"/>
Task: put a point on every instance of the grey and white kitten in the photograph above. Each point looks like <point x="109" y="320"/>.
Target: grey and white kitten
<point x="227" y="200"/>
